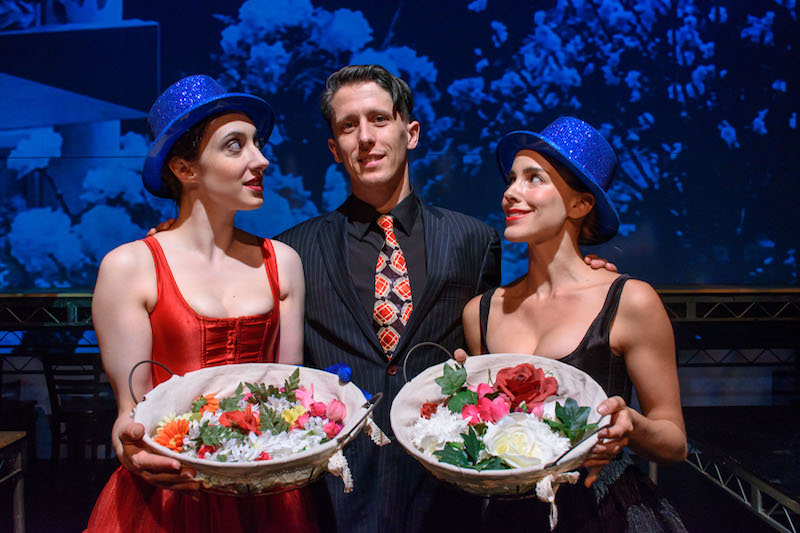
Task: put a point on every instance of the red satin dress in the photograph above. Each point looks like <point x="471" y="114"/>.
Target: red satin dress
<point x="185" y="341"/>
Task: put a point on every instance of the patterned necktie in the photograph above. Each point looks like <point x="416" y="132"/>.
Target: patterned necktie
<point x="392" y="289"/>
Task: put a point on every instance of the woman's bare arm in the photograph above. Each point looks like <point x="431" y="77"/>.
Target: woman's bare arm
<point x="125" y="287"/>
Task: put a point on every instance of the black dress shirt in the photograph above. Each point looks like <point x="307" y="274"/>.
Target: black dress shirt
<point x="365" y="241"/>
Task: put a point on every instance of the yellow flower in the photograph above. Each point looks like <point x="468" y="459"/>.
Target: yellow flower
<point x="290" y="415"/>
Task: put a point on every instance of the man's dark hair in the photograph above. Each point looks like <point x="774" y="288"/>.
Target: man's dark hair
<point x="402" y="100"/>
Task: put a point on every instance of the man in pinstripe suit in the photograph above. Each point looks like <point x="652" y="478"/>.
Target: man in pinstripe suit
<point x="451" y="257"/>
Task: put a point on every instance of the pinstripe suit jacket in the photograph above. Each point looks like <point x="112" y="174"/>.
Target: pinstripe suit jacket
<point x="392" y="492"/>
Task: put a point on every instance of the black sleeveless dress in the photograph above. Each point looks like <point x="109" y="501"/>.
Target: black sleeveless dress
<point x="622" y="499"/>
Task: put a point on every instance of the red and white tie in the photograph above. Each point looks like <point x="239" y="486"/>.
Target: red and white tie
<point x="392" y="289"/>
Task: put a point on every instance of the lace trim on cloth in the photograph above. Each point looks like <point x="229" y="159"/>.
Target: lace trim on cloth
<point x="337" y="465"/>
<point x="546" y="491"/>
<point x="375" y="433"/>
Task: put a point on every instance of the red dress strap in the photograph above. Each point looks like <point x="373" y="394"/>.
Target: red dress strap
<point x="271" y="264"/>
<point x="163" y="273"/>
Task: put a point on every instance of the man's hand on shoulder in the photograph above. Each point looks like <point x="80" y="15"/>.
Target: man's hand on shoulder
<point x="164" y="226"/>
<point x="598" y="262"/>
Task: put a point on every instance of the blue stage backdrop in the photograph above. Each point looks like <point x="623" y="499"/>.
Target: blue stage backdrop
<point x="698" y="98"/>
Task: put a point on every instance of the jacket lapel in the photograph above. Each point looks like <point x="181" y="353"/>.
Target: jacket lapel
<point x="437" y="253"/>
<point x="333" y="248"/>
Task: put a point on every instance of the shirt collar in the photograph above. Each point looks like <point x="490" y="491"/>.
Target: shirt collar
<point x="362" y="215"/>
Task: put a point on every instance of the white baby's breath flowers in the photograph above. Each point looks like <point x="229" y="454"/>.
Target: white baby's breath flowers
<point x="430" y="435"/>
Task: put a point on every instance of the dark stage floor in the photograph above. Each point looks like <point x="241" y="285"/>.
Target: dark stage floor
<point x="61" y="501"/>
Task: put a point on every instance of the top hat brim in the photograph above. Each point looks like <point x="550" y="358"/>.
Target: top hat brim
<point x="259" y="111"/>
<point x="512" y="143"/>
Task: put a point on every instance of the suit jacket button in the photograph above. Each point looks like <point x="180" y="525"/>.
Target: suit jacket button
<point x="392" y="370"/>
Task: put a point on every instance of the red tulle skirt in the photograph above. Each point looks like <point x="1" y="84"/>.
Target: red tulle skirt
<point x="128" y="504"/>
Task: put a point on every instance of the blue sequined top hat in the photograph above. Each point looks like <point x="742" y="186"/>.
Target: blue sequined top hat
<point x="583" y="150"/>
<point x="184" y="104"/>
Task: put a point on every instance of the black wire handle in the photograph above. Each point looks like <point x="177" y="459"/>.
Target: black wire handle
<point x="426" y="343"/>
<point x="130" y="375"/>
<point x="370" y="406"/>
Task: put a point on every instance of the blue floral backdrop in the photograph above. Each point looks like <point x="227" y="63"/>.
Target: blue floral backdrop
<point x="699" y="99"/>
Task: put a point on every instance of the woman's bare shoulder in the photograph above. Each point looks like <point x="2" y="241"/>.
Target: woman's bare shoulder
<point x="638" y="297"/>
<point x="129" y="258"/>
<point x="283" y="249"/>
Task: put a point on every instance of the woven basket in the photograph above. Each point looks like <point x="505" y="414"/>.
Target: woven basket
<point x="258" y="477"/>
<point x="516" y="482"/>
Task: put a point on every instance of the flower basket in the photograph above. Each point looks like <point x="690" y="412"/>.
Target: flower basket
<point x="258" y="477"/>
<point x="517" y="482"/>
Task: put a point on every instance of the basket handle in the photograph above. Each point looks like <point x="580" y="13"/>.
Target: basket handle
<point x="426" y="343"/>
<point x="370" y="406"/>
<point x="130" y="375"/>
<point x="584" y="439"/>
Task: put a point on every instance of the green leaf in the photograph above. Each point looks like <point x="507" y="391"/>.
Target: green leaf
<point x="572" y="420"/>
<point x="492" y="463"/>
<point x="460" y="399"/>
<point x="213" y="435"/>
<point x="472" y="445"/>
<point x="291" y="384"/>
<point x="272" y="421"/>
<point x="452" y="380"/>
<point x="453" y="455"/>
<point x="232" y="403"/>
<point x="198" y="404"/>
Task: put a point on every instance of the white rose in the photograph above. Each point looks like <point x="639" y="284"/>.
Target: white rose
<point x="522" y="440"/>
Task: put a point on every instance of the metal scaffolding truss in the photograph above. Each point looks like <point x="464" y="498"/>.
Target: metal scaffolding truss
<point x="777" y="509"/>
<point x="737" y="357"/>
<point x="58" y="310"/>
<point x="731" y="305"/>
<point x="35" y="324"/>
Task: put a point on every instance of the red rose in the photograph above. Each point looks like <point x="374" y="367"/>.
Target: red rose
<point x="427" y="410"/>
<point x="525" y="383"/>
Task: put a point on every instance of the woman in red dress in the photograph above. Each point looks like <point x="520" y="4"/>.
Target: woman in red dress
<point x="202" y="294"/>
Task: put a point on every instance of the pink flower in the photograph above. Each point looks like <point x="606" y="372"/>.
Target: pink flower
<point x="318" y="409"/>
<point x="493" y="410"/>
<point x="332" y="429"/>
<point x="204" y="450"/>
<point x="470" y="413"/>
<point x="537" y="409"/>
<point x="336" y="410"/>
<point x="248" y="395"/>
<point x="305" y="396"/>
<point x="301" y="421"/>
<point x="481" y="389"/>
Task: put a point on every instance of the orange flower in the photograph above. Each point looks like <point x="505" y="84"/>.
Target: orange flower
<point x="245" y="420"/>
<point x="212" y="403"/>
<point x="171" y="435"/>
